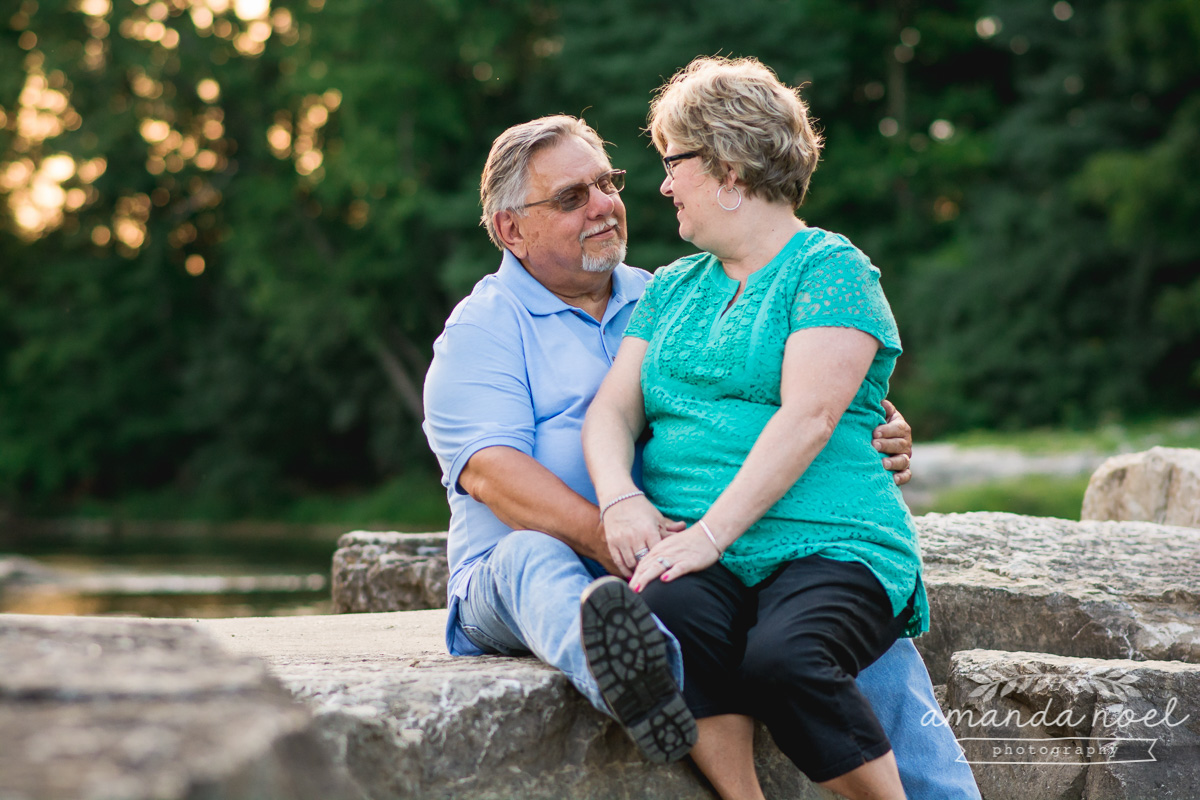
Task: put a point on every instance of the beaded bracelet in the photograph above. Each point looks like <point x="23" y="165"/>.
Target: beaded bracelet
<point x="616" y="500"/>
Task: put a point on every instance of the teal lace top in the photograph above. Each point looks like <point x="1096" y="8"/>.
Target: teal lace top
<point x="711" y="381"/>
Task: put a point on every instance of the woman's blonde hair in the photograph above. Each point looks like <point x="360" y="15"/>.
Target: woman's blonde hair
<point x="737" y="112"/>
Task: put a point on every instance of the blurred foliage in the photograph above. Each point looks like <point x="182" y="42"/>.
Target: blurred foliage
<point x="1033" y="495"/>
<point x="1111" y="438"/>
<point x="227" y="290"/>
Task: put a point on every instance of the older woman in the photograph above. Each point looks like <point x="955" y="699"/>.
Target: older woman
<point x="759" y="366"/>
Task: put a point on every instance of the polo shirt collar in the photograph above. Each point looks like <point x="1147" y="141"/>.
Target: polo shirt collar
<point x="540" y="301"/>
<point x="626" y="287"/>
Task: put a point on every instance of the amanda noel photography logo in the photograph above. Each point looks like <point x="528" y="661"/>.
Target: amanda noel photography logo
<point x="1125" y="727"/>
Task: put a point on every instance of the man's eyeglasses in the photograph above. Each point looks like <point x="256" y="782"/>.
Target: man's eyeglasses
<point x="576" y="195"/>
<point x="670" y="161"/>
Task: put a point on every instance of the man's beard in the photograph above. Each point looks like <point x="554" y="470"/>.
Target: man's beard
<point x="612" y="256"/>
<point x="604" y="263"/>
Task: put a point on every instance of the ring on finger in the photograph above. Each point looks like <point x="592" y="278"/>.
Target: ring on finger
<point x="665" y="563"/>
<point x="640" y="554"/>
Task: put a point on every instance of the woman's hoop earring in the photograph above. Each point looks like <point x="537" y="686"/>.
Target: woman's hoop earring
<point x="735" y="205"/>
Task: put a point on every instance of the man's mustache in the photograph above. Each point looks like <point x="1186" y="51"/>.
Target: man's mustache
<point x="611" y="222"/>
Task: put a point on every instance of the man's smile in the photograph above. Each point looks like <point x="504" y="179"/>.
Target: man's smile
<point x="605" y="229"/>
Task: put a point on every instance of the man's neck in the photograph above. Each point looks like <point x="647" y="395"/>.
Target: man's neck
<point x="587" y="291"/>
<point x="592" y="302"/>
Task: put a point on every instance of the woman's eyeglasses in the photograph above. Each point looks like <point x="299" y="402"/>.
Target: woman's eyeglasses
<point x="576" y="195"/>
<point x="670" y="161"/>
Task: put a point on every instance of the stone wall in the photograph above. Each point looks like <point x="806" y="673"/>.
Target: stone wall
<point x="1078" y="617"/>
<point x="410" y="722"/>
<point x="1058" y="600"/>
<point x="999" y="581"/>
<point x="389" y="572"/>
<point x="1088" y="589"/>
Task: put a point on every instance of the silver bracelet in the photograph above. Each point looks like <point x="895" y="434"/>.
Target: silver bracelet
<point x="704" y="527"/>
<point x="616" y="500"/>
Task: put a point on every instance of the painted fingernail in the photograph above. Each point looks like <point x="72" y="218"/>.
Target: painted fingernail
<point x="637" y="589"/>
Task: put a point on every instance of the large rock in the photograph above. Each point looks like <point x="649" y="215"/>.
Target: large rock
<point x="110" y="708"/>
<point x="412" y="722"/>
<point x="1088" y="589"/>
<point x="389" y="572"/>
<point x="1045" y="727"/>
<point x="1159" y="485"/>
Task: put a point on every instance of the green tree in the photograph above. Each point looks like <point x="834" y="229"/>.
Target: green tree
<point x="231" y="232"/>
<point x="235" y="270"/>
<point x="1066" y="294"/>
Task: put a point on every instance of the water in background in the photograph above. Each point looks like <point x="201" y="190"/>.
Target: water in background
<point x="165" y="569"/>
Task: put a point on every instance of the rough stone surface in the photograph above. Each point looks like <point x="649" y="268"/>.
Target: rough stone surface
<point x="412" y="722"/>
<point x="1148" y="712"/>
<point x="1086" y="589"/>
<point x="389" y="572"/>
<point x="112" y="708"/>
<point x="1159" y="485"/>
<point x="1002" y="581"/>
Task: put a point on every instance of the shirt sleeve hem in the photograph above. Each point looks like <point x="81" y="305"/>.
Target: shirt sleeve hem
<point x="857" y="323"/>
<point x="523" y="444"/>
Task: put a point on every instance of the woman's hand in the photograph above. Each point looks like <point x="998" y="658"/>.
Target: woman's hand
<point x="634" y="526"/>
<point x="675" y="556"/>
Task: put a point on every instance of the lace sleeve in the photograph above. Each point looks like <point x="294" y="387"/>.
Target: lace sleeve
<point x="646" y="313"/>
<point x="840" y="288"/>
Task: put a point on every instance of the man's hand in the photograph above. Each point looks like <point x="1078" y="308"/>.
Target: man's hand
<point x="894" y="438"/>
<point x="601" y="553"/>
<point x="631" y="527"/>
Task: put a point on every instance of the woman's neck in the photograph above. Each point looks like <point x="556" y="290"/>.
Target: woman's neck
<point x="756" y="237"/>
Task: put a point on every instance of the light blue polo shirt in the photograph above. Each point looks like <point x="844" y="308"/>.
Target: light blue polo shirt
<point x="517" y="367"/>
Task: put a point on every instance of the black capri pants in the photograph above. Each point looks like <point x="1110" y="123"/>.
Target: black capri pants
<point x="786" y="652"/>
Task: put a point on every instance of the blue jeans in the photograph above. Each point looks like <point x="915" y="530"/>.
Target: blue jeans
<point x="524" y="598"/>
<point x="898" y="686"/>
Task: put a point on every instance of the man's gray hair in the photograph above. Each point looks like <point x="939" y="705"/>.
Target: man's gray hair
<point x="505" y="181"/>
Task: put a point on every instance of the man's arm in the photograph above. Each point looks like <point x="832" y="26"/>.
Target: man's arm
<point x="480" y="421"/>
<point x="481" y="425"/>
<point x="524" y="495"/>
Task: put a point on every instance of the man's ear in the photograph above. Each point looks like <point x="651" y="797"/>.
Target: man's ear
<point x="508" y="228"/>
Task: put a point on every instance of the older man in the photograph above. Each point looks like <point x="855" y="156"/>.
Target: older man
<point x="512" y="376"/>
